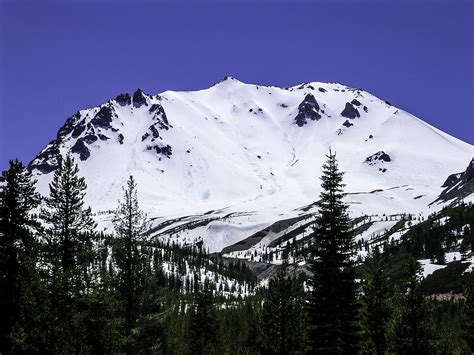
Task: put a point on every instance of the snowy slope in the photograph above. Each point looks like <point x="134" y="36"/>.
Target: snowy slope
<point x="257" y="150"/>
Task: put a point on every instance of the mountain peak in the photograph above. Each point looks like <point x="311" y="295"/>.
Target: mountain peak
<point x="228" y="79"/>
<point x="186" y="150"/>
<point x="139" y="98"/>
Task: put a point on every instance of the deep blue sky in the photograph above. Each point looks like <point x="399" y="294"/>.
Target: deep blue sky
<point x="58" y="58"/>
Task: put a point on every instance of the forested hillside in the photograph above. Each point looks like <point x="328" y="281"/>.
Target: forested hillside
<point x="66" y="288"/>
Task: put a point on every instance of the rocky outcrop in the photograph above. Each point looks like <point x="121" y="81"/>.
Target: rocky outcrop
<point x="347" y="124"/>
<point x="69" y="126"/>
<point x="380" y="156"/>
<point x="356" y="102"/>
<point x="307" y="110"/>
<point x="161" y="123"/>
<point x="103" y="118"/>
<point x="124" y="99"/>
<point x="350" y="111"/>
<point x="159" y="116"/>
<point x="458" y="186"/>
<point x="48" y="160"/>
<point x="139" y="99"/>
<point x="80" y="148"/>
<point x="161" y="149"/>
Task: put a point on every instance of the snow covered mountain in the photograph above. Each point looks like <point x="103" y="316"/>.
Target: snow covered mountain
<point x="223" y="163"/>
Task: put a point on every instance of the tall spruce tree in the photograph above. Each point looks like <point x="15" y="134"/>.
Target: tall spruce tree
<point x="412" y="327"/>
<point x="130" y="260"/>
<point x="376" y="310"/>
<point x="282" y="324"/>
<point x="18" y="253"/>
<point x="70" y="224"/>
<point x="332" y="305"/>
<point x="69" y="229"/>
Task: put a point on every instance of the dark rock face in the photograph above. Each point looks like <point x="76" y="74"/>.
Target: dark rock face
<point x="89" y="139"/>
<point x="469" y="173"/>
<point x="161" y="123"/>
<point x="139" y="99"/>
<point x="356" y="102"/>
<point x="457" y="186"/>
<point x="145" y="136"/>
<point x="159" y="115"/>
<point x="350" y="111"/>
<point x="463" y="177"/>
<point x="80" y="148"/>
<point x="103" y="118"/>
<point x="379" y="156"/>
<point x="124" y="99"/>
<point x="153" y="131"/>
<point x="103" y="137"/>
<point x="308" y="109"/>
<point x="366" y="110"/>
<point x="451" y="180"/>
<point x="322" y="89"/>
<point x="48" y="160"/>
<point x="347" y="124"/>
<point x="120" y="138"/>
<point x="163" y="150"/>
<point x="69" y="126"/>
<point x="81" y="127"/>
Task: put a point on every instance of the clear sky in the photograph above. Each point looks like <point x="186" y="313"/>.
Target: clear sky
<point x="57" y="57"/>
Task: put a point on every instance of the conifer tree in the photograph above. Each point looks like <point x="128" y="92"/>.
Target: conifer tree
<point x="375" y="299"/>
<point x="332" y="308"/>
<point x="69" y="229"/>
<point x="70" y="223"/>
<point x="203" y="326"/>
<point x="469" y="314"/>
<point x="282" y="321"/>
<point x="18" y="251"/>
<point x="130" y="261"/>
<point x="150" y="330"/>
<point x="412" y="328"/>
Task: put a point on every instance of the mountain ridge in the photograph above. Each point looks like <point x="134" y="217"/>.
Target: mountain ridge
<point x="252" y="149"/>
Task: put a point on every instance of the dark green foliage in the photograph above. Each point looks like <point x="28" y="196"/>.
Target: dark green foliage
<point x="150" y="329"/>
<point x="332" y="306"/>
<point x="431" y="239"/>
<point x="18" y="254"/>
<point x="412" y="329"/>
<point x="66" y="289"/>
<point x="468" y="331"/>
<point x="130" y="261"/>
<point x="376" y="311"/>
<point x="68" y="257"/>
<point x="448" y="279"/>
<point x="447" y="320"/>
<point x="203" y="326"/>
<point x="282" y="318"/>
<point x="69" y="223"/>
